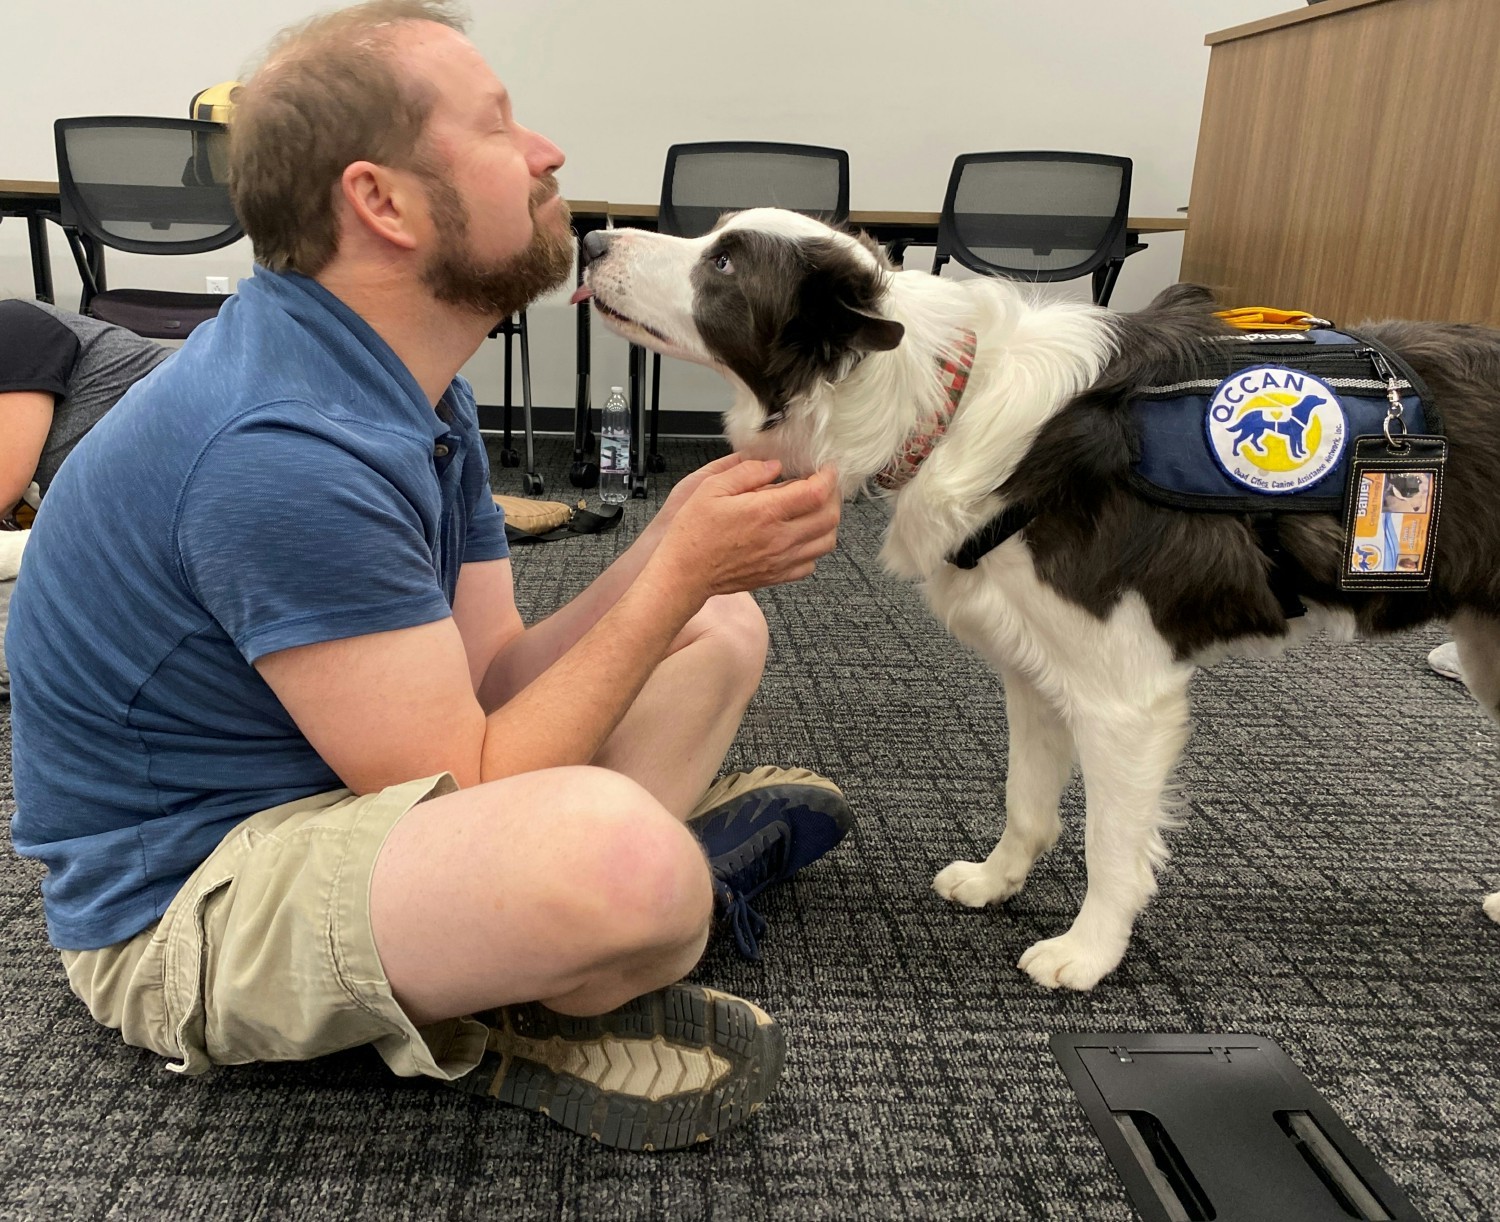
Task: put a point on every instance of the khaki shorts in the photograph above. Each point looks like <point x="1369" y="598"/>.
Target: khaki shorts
<point x="266" y="954"/>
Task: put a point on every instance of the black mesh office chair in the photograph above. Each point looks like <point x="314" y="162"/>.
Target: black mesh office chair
<point x="149" y="186"/>
<point x="704" y="181"/>
<point x="1039" y="216"/>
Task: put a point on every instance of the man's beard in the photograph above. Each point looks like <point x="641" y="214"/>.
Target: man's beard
<point x="498" y="290"/>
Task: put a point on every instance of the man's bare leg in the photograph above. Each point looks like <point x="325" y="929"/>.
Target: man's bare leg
<point x="575" y="886"/>
<point x="676" y="734"/>
<point x="571" y="886"/>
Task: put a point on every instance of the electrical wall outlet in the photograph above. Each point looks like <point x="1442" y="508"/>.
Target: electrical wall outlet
<point x="218" y="285"/>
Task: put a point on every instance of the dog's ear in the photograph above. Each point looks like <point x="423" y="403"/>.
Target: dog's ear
<point x="872" y="333"/>
<point x="829" y="318"/>
<point x="835" y="312"/>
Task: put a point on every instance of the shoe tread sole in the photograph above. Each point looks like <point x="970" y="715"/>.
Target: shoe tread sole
<point x="667" y="1070"/>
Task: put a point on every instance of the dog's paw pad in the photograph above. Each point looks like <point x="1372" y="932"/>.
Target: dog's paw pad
<point x="1491" y="905"/>
<point x="970" y="883"/>
<point x="1068" y="962"/>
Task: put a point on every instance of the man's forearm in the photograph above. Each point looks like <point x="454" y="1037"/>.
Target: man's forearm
<point x="532" y="651"/>
<point x="566" y="713"/>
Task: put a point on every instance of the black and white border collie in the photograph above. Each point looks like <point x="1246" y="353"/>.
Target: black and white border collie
<point x="1096" y="613"/>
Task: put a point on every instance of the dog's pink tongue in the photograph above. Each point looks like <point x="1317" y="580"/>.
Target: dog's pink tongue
<point x="582" y="295"/>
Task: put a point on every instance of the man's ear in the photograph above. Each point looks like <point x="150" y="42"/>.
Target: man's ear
<point x="382" y="202"/>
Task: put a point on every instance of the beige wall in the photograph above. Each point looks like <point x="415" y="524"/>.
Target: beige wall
<point x="904" y="86"/>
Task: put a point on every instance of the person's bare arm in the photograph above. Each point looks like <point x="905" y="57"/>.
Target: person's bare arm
<point x="484" y="608"/>
<point x="526" y="653"/>
<point x="25" y="420"/>
<point x="388" y="707"/>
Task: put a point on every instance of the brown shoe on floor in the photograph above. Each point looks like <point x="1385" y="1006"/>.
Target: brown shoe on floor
<point x="677" y="1066"/>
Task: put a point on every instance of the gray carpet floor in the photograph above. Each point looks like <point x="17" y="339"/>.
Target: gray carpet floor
<point x="1341" y="831"/>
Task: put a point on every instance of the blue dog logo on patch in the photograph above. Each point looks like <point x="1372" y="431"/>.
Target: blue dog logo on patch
<point x="1254" y="425"/>
<point x="1275" y="429"/>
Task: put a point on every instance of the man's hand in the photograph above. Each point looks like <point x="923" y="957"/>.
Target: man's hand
<point x="737" y="529"/>
<point x="531" y="651"/>
<point x="684" y="488"/>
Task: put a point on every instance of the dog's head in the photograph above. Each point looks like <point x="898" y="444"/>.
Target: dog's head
<point x="771" y="298"/>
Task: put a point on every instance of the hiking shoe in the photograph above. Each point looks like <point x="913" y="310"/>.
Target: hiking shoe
<point x="1444" y="660"/>
<point x="674" y="1067"/>
<point x="759" y="828"/>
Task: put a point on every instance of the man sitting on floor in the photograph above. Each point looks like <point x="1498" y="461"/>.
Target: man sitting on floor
<point x="300" y="776"/>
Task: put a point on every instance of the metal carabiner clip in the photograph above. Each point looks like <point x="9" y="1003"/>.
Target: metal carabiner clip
<point x="1395" y="418"/>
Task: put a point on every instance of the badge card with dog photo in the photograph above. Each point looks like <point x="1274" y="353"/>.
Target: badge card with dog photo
<point x="1395" y="494"/>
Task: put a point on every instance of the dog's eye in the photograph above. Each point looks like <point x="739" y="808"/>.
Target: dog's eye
<point x="724" y="263"/>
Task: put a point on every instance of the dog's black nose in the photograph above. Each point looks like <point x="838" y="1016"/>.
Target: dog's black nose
<point x="595" y="243"/>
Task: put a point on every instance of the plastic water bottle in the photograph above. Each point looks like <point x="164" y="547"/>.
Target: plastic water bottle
<point x="614" y="448"/>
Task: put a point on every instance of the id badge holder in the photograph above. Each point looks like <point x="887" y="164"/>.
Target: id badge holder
<point x="1392" y="505"/>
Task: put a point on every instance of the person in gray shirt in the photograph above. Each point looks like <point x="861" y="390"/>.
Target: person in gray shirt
<point x="59" y="373"/>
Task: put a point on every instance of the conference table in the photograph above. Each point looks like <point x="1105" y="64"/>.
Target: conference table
<point x="37" y="202"/>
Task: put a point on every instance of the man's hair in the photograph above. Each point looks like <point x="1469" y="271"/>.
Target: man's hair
<point x="328" y="94"/>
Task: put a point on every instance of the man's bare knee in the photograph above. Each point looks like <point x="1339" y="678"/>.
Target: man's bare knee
<point x="570" y="882"/>
<point x="645" y="880"/>
<point x="734" y="626"/>
<point x="637" y="880"/>
<point x="643" y="889"/>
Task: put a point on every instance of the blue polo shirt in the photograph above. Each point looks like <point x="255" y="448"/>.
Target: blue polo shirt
<point x="281" y="481"/>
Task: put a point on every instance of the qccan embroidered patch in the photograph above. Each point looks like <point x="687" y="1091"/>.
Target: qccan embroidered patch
<point x="1276" y="430"/>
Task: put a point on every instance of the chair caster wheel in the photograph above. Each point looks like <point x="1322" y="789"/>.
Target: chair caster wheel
<point x="532" y="482"/>
<point x="656" y="463"/>
<point x="638" y="487"/>
<point x="584" y="475"/>
<point x="510" y="458"/>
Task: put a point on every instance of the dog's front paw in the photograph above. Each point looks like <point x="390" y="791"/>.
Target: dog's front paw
<point x="1071" y="961"/>
<point x="973" y="884"/>
<point x="1491" y="905"/>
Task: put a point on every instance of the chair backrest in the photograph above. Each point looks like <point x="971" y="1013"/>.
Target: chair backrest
<point x="1035" y="216"/>
<point x="147" y="185"/>
<point x="703" y="181"/>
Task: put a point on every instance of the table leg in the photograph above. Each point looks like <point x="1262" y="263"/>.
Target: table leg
<point x="638" y="425"/>
<point x="585" y="470"/>
<point x="41" y="258"/>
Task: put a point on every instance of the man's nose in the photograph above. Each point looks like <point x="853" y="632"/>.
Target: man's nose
<point x="595" y="244"/>
<point x="544" y="156"/>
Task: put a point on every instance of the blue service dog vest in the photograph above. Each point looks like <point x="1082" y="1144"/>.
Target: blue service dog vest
<point x="1264" y="426"/>
<point x="1269" y="427"/>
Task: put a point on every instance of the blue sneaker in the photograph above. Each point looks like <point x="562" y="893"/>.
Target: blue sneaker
<point x="759" y="828"/>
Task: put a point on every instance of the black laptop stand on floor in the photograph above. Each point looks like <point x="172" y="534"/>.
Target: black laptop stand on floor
<point x="1222" y="1128"/>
